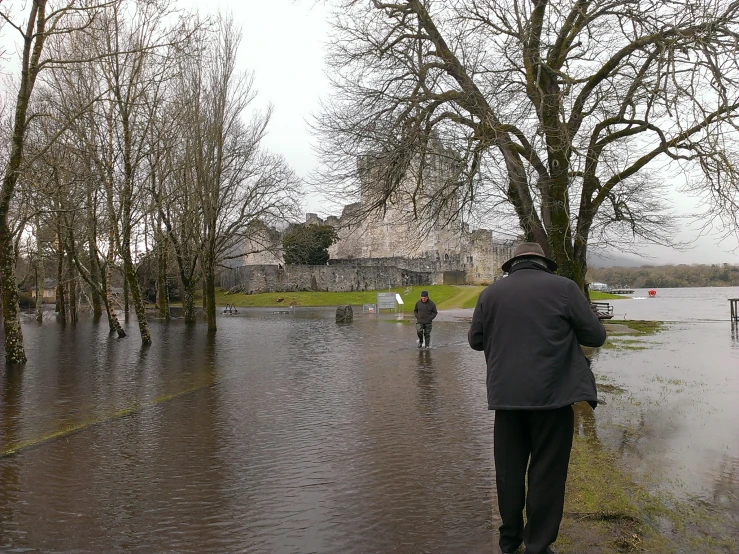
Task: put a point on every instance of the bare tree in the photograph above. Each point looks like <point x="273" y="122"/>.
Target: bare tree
<point x="177" y="202"/>
<point x="33" y="35"/>
<point x="44" y="18"/>
<point x="132" y="48"/>
<point x="570" y="116"/>
<point x="224" y="181"/>
<point x="74" y="148"/>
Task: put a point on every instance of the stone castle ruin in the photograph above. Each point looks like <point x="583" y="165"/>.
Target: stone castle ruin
<point x="376" y="251"/>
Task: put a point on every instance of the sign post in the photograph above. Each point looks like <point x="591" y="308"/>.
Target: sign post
<point x="387" y="301"/>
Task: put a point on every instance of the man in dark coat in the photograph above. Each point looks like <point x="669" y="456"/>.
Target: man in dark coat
<point x="530" y="326"/>
<point x="425" y="312"/>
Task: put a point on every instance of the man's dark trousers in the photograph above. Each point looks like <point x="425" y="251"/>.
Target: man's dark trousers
<point x="546" y="437"/>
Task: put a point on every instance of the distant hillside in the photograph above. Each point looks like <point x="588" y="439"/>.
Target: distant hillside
<point x="598" y="259"/>
<point x="667" y="276"/>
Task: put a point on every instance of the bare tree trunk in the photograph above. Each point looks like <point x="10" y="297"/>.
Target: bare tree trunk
<point x="40" y="276"/>
<point x="162" y="289"/>
<point x="115" y="325"/>
<point x="72" y="280"/>
<point x="126" y="304"/>
<point x="14" y="352"/>
<point x="39" y="299"/>
<point x="96" y="276"/>
<point x="97" y="304"/>
<point x="138" y="303"/>
<point x="131" y="280"/>
<point x="210" y="296"/>
<point x="61" y="304"/>
<point x="188" y="301"/>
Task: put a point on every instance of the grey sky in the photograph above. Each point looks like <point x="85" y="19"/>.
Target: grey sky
<point x="284" y="43"/>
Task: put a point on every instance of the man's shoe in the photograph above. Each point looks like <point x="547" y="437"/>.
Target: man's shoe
<point x="419" y="343"/>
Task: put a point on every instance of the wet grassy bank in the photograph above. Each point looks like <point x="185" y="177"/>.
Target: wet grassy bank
<point x="607" y="511"/>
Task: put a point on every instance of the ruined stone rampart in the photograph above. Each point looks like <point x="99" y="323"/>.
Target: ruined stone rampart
<point x="329" y="278"/>
<point x="422" y="265"/>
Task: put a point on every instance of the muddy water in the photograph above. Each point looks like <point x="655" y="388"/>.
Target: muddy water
<point x="289" y="433"/>
<point x="677" y="423"/>
<point x="282" y="434"/>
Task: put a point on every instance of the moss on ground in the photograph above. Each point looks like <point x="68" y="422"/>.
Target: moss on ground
<point x="616" y="343"/>
<point x="628" y="335"/>
<point x="640" y="327"/>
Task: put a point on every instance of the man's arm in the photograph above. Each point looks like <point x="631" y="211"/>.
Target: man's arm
<point x="588" y="328"/>
<point x="415" y="310"/>
<point x="474" y="336"/>
<point x="434" y="311"/>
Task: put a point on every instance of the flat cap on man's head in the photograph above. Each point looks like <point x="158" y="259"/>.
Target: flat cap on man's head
<point x="424" y="293"/>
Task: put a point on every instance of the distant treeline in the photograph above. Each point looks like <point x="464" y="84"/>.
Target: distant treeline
<point x="667" y="276"/>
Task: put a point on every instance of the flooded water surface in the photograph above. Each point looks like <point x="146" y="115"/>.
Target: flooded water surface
<point x="282" y="434"/>
<point x="290" y="433"/>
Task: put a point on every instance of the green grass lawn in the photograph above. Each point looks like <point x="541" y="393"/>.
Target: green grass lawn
<point x="596" y="296"/>
<point x="441" y="294"/>
<point x="446" y="297"/>
<point x="466" y="297"/>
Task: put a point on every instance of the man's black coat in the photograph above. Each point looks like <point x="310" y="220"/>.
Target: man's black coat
<point x="425" y="312"/>
<point x="530" y="326"/>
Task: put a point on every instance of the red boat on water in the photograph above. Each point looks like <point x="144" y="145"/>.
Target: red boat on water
<point x="652" y="293"/>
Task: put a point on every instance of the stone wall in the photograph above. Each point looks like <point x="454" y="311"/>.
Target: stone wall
<point x="422" y="265"/>
<point x="481" y="266"/>
<point x="483" y="259"/>
<point x="329" y="278"/>
<point x="262" y="247"/>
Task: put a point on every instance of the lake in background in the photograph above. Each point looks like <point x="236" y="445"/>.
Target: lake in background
<point x="685" y="304"/>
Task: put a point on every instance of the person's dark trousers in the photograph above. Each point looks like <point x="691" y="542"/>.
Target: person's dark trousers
<point x="423" y="330"/>
<point x="546" y="437"/>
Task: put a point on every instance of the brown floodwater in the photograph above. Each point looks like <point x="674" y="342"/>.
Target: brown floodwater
<point x="290" y="433"/>
<point x="281" y="434"/>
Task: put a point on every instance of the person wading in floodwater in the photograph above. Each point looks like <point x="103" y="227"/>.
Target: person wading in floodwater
<point x="425" y="312"/>
<point x="530" y="326"/>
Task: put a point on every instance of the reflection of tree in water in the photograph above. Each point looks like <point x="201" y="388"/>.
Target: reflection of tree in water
<point x="9" y="419"/>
